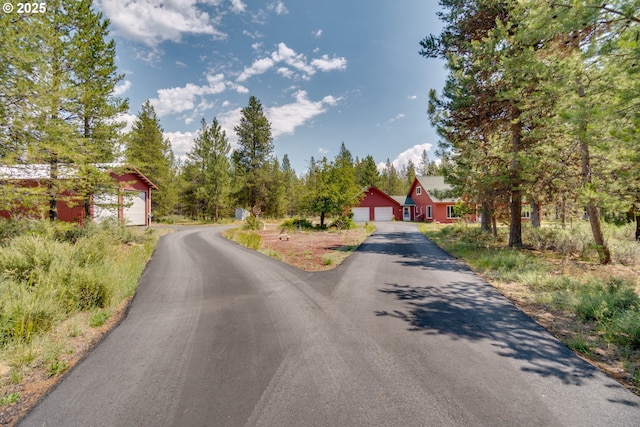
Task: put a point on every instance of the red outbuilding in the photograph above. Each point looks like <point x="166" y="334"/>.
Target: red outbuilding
<point x="376" y="205"/>
<point x="129" y="200"/>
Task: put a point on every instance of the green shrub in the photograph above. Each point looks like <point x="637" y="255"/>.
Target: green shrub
<point x="250" y="239"/>
<point x="98" y="318"/>
<point x="253" y="223"/>
<point x="57" y="367"/>
<point x="49" y="271"/>
<point x="9" y="399"/>
<point x="625" y="328"/>
<point x="601" y="302"/>
<point x="88" y="289"/>
<point x="27" y="257"/>
<point x="344" y="223"/>
<point x="23" y="318"/>
<point x="297" y="224"/>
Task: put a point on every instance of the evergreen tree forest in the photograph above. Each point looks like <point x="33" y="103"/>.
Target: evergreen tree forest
<point x="541" y="106"/>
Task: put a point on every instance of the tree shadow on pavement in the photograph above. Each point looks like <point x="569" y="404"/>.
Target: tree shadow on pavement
<point x="414" y="250"/>
<point x="475" y="312"/>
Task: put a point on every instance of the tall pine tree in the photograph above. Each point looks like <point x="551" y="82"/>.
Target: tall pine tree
<point x="150" y="152"/>
<point x="253" y="156"/>
<point x="206" y="172"/>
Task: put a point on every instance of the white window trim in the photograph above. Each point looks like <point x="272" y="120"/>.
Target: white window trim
<point x="450" y="212"/>
<point x="418" y="190"/>
<point x="429" y="212"/>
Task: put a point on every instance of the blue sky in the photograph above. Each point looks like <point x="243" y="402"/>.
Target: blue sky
<point x="325" y="71"/>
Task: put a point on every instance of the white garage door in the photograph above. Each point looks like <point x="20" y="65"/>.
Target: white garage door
<point x="105" y="206"/>
<point x="383" y="213"/>
<point x="360" y="214"/>
<point x="135" y="204"/>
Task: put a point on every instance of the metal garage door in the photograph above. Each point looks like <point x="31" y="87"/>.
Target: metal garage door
<point x="360" y="214"/>
<point x="383" y="213"/>
<point x="135" y="207"/>
<point x="105" y="206"/>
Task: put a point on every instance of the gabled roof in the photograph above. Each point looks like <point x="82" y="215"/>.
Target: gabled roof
<point x="376" y="189"/>
<point x="435" y="186"/>
<point x="404" y="200"/>
<point x="28" y="172"/>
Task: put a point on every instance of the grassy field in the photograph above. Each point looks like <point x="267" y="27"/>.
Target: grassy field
<point x="60" y="288"/>
<point x="594" y="309"/>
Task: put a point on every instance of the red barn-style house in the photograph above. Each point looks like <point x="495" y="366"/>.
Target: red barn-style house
<point x="130" y="200"/>
<point x="426" y="201"/>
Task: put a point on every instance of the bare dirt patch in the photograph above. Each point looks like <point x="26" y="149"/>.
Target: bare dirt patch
<point x="311" y="250"/>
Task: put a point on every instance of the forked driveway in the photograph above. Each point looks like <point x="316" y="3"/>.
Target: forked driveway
<point x="399" y="335"/>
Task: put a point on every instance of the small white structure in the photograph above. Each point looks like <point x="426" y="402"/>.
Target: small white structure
<point x="242" y="214"/>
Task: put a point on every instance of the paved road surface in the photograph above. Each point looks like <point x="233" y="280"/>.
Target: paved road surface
<point x="399" y="335"/>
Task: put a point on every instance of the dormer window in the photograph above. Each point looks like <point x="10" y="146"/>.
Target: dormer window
<point x="418" y="191"/>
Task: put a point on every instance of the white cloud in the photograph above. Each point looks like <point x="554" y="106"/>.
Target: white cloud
<point x="396" y="118"/>
<point x="128" y="120"/>
<point x="286" y="118"/>
<point x="290" y="57"/>
<point x="295" y="62"/>
<point x="255" y="35"/>
<point x="154" y="21"/>
<point x="412" y="97"/>
<point x="326" y="64"/>
<point x="259" y="66"/>
<point x="151" y="56"/>
<point x="179" y="99"/>
<point x="238" y="6"/>
<point x="238" y="88"/>
<point x="285" y="72"/>
<point x="181" y="142"/>
<point x="122" y="88"/>
<point x="279" y="8"/>
<point x="317" y="34"/>
<point x="228" y="121"/>
<point x="414" y="154"/>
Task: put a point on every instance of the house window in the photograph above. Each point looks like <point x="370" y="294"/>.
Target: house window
<point x="429" y="212"/>
<point x="418" y="191"/>
<point x="451" y="212"/>
<point x="526" y="212"/>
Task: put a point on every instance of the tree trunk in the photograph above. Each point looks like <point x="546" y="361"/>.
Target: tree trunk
<point x="52" y="189"/>
<point x="515" y="228"/>
<point x="485" y="224"/>
<point x="637" y="226"/>
<point x="592" y="208"/>
<point x="321" y="219"/>
<point x="535" y="214"/>
<point x="515" y="207"/>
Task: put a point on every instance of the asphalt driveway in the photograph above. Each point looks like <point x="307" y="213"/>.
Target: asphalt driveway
<point x="400" y="334"/>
